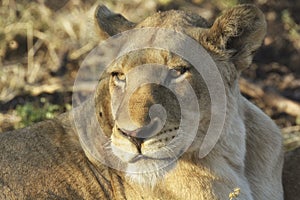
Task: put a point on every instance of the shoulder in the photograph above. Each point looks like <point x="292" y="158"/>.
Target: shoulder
<point x="44" y="160"/>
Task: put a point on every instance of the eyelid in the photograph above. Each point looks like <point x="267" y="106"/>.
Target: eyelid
<point x="115" y="73"/>
<point x="180" y="67"/>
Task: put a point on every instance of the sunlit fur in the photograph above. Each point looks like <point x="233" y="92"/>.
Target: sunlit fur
<point x="50" y="160"/>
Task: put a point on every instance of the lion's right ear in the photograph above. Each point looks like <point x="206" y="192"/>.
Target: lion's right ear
<point x="239" y="32"/>
<point x="111" y="23"/>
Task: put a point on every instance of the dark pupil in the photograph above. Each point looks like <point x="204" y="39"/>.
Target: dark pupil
<point x="182" y="70"/>
<point x="115" y="73"/>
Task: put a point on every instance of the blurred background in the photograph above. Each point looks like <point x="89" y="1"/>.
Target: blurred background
<point x="43" y="42"/>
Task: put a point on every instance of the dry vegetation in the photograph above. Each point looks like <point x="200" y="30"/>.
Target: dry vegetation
<point x="42" y="44"/>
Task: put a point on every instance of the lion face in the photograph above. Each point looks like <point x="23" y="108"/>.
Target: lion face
<point x="138" y="97"/>
<point x="142" y="136"/>
<point x="145" y="88"/>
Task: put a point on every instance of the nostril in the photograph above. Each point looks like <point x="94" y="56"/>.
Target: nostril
<point x="123" y="133"/>
<point x="128" y="133"/>
<point x="132" y="136"/>
<point x="137" y="142"/>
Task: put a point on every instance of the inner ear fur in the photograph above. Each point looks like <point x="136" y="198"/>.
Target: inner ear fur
<point x="237" y="34"/>
<point x="110" y="23"/>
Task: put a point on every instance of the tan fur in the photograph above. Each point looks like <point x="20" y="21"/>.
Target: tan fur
<point x="47" y="161"/>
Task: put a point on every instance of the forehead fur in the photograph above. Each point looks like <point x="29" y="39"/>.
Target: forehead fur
<point x="148" y="56"/>
<point x="233" y="37"/>
<point x="174" y="19"/>
<point x="182" y="21"/>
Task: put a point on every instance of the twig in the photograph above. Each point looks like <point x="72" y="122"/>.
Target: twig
<point x="59" y="87"/>
<point x="270" y="98"/>
<point x="291" y="129"/>
<point x="86" y="48"/>
<point x="30" y="53"/>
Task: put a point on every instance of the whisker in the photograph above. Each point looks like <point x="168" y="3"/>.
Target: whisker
<point x="107" y="145"/>
<point x="170" y="152"/>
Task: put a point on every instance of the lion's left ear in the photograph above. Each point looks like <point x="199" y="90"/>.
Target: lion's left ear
<point x="110" y="23"/>
<point x="239" y="32"/>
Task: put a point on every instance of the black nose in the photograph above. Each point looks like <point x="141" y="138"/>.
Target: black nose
<point x="146" y="131"/>
<point x="139" y="135"/>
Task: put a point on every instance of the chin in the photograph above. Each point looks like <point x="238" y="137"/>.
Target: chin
<point x="147" y="173"/>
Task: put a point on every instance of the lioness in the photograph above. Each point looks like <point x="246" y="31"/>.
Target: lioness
<point x="50" y="160"/>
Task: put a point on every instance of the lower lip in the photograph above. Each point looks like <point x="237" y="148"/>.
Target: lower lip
<point x="136" y="158"/>
<point x="142" y="157"/>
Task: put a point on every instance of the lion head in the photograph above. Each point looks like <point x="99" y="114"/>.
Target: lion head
<point x="139" y="97"/>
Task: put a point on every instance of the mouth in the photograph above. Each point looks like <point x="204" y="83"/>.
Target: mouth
<point x="143" y="157"/>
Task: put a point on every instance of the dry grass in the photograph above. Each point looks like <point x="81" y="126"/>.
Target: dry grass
<point x="43" y="44"/>
<point x="33" y="41"/>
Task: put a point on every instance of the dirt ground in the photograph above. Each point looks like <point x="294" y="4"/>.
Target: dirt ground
<point x="43" y="44"/>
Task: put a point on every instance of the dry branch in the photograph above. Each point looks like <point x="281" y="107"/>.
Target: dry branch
<point x="270" y="97"/>
<point x="59" y="87"/>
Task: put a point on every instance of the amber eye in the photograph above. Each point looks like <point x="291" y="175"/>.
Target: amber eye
<point x="118" y="78"/>
<point x="119" y="75"/>
<point x="178" y="71"/>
